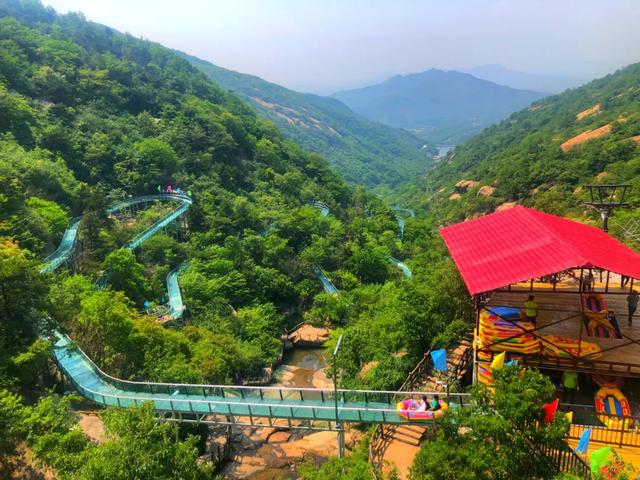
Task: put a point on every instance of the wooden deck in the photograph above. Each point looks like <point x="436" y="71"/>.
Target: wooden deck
<point x="560" y="314"/>
<point x="628" y="454"/>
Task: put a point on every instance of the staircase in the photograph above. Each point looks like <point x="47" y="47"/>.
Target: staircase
<point x="397" y="445"/>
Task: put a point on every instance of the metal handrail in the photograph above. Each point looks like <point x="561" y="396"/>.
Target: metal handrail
<point x="148" y="198"/>
<point x="230" y="403"/>
<point x="243" y="387"/>
<point x="134" y="243"/>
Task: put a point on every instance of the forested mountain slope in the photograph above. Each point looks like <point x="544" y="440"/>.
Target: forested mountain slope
<point x="90" y="116"/>
<point x="363" y="151"/>
<point x="542" y="155"/>
<point x="438" y="106"/>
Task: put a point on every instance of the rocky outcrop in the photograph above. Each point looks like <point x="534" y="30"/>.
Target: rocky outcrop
<point x="588" y="112"/>
<point x="585" y="136"/>
<point x="464" y="185"/>
<point x="486" y="191"/>
<point x="505" y="206"/>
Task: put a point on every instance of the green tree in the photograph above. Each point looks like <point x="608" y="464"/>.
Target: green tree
<point x="104" y="327"/>
<point x="500" y="428"/>
<point x="141" y="448"/>
<point x="12" y="415"/>
<point x="152" y="162"/>
<point x="22" y="294"/>
<point x="371" y="263"/>
<point x="125" y="274"/>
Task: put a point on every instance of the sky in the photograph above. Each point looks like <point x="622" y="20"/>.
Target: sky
<point x="322" y="46"/>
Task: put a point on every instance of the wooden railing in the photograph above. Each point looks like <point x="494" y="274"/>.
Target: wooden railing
<point x="559" y="460"/>
<point x="605" y="428"/>
<point x="382" y="437"/>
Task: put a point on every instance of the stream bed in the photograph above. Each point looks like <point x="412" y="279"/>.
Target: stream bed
<point x="268" y="453"/>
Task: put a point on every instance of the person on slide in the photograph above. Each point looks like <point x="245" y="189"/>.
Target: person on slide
<point x="435" y="404"/>
<point x="422" y="405"/>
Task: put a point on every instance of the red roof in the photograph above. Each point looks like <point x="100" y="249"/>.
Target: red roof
<point x="520" y="243"/>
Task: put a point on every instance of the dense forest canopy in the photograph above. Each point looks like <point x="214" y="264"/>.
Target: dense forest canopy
<point x="365" y="152"/>
<point x="91" y="116"/>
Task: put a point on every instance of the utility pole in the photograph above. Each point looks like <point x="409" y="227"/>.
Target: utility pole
<point x="604" y="198"/>
<point x="339" y="426"/>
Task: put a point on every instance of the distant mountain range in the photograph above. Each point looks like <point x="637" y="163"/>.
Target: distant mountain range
<point x="522" y="80"/>
<point x="543" y="155"/>
<point x="438" y="106"/>
<point x="363" y="151"/>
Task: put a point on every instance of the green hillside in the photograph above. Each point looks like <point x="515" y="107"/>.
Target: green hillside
<point x="526" y="160"/>
<point x="90" y="117"/>
<point x="438" y="106"/>
<point x="363" y="151"/>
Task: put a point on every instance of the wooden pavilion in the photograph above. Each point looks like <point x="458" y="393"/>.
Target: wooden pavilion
<point x="580" y="278"/>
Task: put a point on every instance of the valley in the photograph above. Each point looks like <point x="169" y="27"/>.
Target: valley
<point x="206" y="275"/>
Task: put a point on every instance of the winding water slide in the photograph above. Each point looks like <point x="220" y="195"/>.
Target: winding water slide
<point x="65" y="249"/>
<point x="400" y="218"/>
<point x="214" y="403"/>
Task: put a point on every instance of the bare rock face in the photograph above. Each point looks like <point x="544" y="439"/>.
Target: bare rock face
<point x="486" y="191"/>
<point x="464" y="185"/>
<point x="279" y="456"/>
<point x="91" y="425"/>
<point x="261" y="435"/>
<point x="279" y="437"/>
<point x="505" y="206"/>
<point x="319" y="445"/>
<point x="245" y="467"/>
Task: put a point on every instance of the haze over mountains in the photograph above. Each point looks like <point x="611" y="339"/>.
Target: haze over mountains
<point x="438" y="106"/>
<point x="523" y="80"/>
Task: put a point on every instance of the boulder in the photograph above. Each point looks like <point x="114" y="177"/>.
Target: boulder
<point x="279" y="437"/>
<point x="486" y="191"/>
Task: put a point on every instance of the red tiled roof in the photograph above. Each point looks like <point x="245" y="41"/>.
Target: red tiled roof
<point x="521" y="243"/>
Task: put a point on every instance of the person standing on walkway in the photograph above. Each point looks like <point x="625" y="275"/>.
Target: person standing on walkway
<point x="569" y="386"/>
<point x="632" y="302"/>
<point x="531" y="310"/>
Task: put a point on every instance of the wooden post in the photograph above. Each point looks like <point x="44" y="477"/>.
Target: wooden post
<point x="474" y="379"/>
<point x="581" y="312"/>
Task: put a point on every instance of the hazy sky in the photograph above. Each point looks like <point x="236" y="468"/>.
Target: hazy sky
<point x="324" y="45"/>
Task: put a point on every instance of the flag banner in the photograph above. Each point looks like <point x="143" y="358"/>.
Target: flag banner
<point x="583" y="444"/>
<point x="569" y="416"/>
<point x="550" y="410"/>
<point x="498" y="361"/>
<point x="439" y="358"/>
<point x="600" y="458"/>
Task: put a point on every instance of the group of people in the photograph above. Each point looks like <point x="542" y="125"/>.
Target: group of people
<point x="423" y="405"/>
